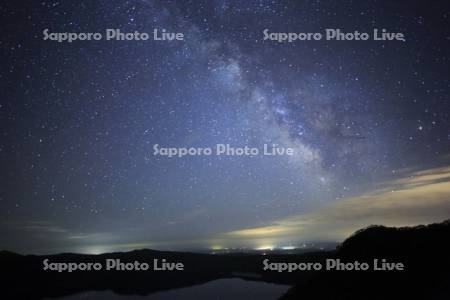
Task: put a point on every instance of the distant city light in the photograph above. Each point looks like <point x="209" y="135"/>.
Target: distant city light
<point x="266" y="247"/>
<point x="215" y="247"/>
<point x="288" y="247"/>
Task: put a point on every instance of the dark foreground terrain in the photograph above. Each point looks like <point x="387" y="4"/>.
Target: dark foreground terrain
<point x="424" y="251"/>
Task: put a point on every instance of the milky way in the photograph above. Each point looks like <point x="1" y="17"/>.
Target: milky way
<point x="79" y="120"/>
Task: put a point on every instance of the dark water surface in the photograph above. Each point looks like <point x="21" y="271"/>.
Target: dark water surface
<point x="234" y="288"/>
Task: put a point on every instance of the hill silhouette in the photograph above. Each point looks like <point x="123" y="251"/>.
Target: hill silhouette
<point x="423" y="250"/>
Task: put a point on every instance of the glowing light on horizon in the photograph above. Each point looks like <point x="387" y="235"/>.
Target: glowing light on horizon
<point x="288" y="247"/>
<point x="266" y="247"/>
<point x="96" y="250"/>
<point x="216" y="247"/>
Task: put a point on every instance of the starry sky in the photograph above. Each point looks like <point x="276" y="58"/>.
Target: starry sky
<point x="368" y="121"/>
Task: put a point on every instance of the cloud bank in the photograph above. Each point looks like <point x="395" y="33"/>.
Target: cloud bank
<point x="417" y="198"/>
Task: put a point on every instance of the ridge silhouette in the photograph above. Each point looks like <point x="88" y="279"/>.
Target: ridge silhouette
<point x="424" y="250"/>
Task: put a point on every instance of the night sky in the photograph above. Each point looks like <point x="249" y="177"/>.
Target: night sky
<point x="368" y="121"/>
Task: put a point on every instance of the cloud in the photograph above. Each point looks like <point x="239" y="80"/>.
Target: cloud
<point x="419" y="197"/>
<point x="35" y="226"/>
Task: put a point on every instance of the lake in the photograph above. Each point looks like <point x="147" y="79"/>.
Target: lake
<point x="233" y="288"/>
